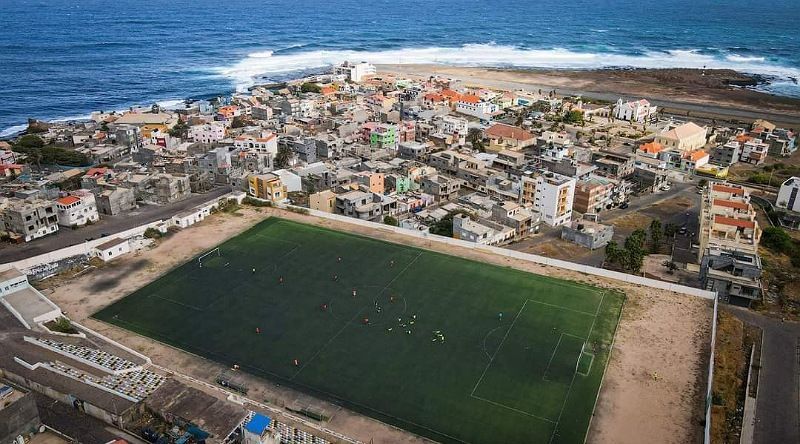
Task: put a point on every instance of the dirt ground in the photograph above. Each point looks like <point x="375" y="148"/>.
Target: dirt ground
<point x="653" y="386"/>
<point x="705" y="93"/>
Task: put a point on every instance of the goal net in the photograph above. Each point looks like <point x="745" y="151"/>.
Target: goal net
<point x="208" y="255"/>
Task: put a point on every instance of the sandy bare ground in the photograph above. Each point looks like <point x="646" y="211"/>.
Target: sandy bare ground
<point x="653" y="387"/>
<point x="675" y="89"/>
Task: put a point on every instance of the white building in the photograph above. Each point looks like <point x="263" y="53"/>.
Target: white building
<point x="453" y="125"/>
<point x="754" y="151"/>
<point x="482" y="232"/>
<point x="112" y="249"/>
<point x="354" y="71"/>
<point x="290" y="180"/>
<point x="266" y="144"/>
<point x="473" y="106"/>
<point x="551" y="195"/>
<point x="787" y="196"/>
<point x="208" y="132"/>
<point x="638" y="111"/>
<point x="77" y="209"/>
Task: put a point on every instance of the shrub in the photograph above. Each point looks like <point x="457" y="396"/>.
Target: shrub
<point x="777" y="240"/>
<point x="152" y="233"/>
<point x="297" y="210"/>
<point x="256" y="203"/>
<point x="62" y="325"/>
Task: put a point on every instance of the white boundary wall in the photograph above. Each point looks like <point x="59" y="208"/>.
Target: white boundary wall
<point x="85" y="248"/>
<point x="709" y="388"/>
<point x="587" y="269"/>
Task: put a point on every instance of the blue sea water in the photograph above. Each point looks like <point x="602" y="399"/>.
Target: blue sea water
<point x="65" y="58"/>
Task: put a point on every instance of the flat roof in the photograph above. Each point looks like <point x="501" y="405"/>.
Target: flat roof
<point x="110" y="244"/>
<point x="11" y="273"/>
<point x="211" y="414"/>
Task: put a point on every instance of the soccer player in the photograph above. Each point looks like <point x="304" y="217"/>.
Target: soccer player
<point x="280" y="280"/>
<point x="335" y="277"/>
<point x="258" y="330"/>
<point x="391" y="263"/>
<point x="254" y="270"/>
<point x="339" y="259"/>
<point x="354" y="292"/>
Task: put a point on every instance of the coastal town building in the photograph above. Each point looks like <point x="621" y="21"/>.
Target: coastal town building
<point x="787" y="195"/>
<point x="77" y="209"/>
<point x="267" y="186"/>
<point x="29" y="219"/>
<point x="728" y="220"/>
<point x="735" y="276"/>
<point x="686" y="137"/>
<point x="115" y="200"/>
<point x="639" y="111"/>
<point x="506" y="137"/>
<point x="354" y="72"/>
<point x="208" y="132"/>
<point x="588" y="234"/>
<point x="551" y="195"/>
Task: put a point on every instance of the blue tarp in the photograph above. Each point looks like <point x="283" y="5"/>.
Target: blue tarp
<point x="198" y="433"/>
<point x="258" y="424"/>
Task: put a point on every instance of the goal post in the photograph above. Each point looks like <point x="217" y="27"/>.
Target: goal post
<point x="214" y="252"/>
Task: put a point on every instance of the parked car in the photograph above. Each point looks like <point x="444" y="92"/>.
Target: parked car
<point x="624" y="205"/>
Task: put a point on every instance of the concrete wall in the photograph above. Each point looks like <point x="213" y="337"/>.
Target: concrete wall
<point x="86" y="248"/>
<point x="19" y="418"/>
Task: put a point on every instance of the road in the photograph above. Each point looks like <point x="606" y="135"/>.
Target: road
<point x="107" y="225"/>
<point x="677" y="106"/>
<point x="778" y="401"/>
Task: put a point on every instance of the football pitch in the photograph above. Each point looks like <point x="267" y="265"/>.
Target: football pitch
<point x="448" y="348"/>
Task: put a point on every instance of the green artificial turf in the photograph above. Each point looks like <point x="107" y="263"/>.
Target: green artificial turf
<point x="529" y="375"/>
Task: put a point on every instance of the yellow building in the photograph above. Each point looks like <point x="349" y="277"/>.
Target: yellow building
<point x="148" y="122"/>
<point x="267" y="186"/>
<point x="374" y="181"/>
<point x="686" y="137"/>
<point x="322" y="201"/>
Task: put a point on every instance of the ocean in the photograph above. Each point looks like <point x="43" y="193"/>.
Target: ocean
<point x="62" y="59"/>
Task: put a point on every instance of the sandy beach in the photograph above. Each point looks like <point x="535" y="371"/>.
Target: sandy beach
<point x="703" y="93"/>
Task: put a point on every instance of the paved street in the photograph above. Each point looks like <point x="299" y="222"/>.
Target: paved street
<point x="108" y="225"/>
<point x="778" y="402"/>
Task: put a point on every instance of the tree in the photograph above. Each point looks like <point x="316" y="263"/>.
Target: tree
<point x="239" y="122"/>
<point x="776" y="239"/>
<point x="634" y="250"/>
<point x="179" y="130"/>
<point x="574" y="116"/>
<point x="670" y="229"/>
<point x="283" y="157"/>
<point x="29" y="141"/>
<point x="390" y="220"/>
<point x="655" y="236"/>
<point x="613" y="252"/>
<point x="310" y="87"/>
<point x="444" y="226"/>
<point x="475" y="137"/>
